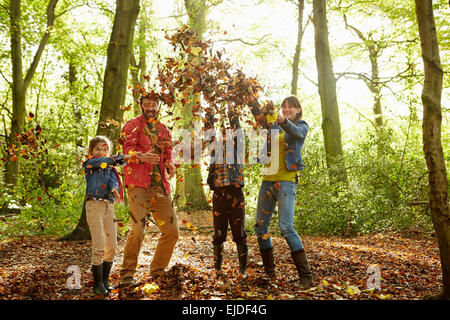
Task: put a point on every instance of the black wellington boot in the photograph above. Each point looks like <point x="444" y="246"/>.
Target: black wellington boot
<point x="242" y="251"/>
<point x="106" y="270"/>
<point x="97" y="272"/>
<point x="218" y="257"/>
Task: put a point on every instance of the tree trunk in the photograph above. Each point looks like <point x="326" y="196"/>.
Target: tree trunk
<point x="114" y="86"/>
<point x="197" y="12"/>
<point x="373" y="83"/>
<point x="116" y="72"/>
<point x="327" y="90"/>
<point x="294" y="84"/>
<point x="81" y="231"/>
<point x="20" y="84"/>
<point x="432" y="146"/>
<point x="375" y="88"/>
<point x="180" y="194"/>
<point x="194" y="192"/>
<point x="75" y="106"/>
<point x="138" y="69"/>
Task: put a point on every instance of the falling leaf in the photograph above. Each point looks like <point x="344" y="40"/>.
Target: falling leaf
<point x="277" y="185"/>
<point x="149" y="288"/>
<point x="196" y="50"/>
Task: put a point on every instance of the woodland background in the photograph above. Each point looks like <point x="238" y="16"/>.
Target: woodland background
<point x="376" y="181"/>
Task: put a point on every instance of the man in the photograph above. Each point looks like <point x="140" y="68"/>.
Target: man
<point x="147" y="183"/>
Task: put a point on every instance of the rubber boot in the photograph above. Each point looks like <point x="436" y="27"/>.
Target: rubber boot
<point x="106" y="270"/>
<point x="97" y="272"/>
<point x="268" y="261"/>
<point x="303" y="269"/>
<point x="218" y="257"/>
<point x="242" y="251"/>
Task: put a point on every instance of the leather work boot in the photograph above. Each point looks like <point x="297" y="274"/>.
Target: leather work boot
<point x="127" y="281"/>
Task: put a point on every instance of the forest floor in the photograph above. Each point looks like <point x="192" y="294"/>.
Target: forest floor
<point x="35" y="268"/>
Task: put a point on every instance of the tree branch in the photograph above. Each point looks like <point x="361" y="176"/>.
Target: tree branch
<point x="174" y="16"/>
<point x="69" y="9"/>
<point x="50" y="21"/>
<point x="4" y="104"/>
<point x="258" y="42"/>
<point x="381" y="81"/>
<point x="4" y="77"/>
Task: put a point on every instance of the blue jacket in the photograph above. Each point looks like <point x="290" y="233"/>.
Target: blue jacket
<point x="235" y="169"/>
<point x="295" y="135"/>
<point x="101" y="181"/>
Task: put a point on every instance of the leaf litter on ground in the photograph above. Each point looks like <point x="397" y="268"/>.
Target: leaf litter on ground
<point x="34" y="268"/>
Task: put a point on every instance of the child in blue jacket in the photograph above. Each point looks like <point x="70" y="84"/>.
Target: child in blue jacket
<point x="103" y="189"/>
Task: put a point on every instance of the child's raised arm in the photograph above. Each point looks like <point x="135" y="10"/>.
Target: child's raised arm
<point x="103" y="162"/>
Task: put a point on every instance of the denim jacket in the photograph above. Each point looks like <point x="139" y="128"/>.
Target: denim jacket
<point x="101" y="177"/>
<point x="235" y="169"/>
<point x="295" y="135"/>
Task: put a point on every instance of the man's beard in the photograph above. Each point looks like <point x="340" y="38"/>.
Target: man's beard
<point x="151" y="114"/>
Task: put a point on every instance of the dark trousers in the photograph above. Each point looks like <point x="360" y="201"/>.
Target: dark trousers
<point x="229" y="209"/>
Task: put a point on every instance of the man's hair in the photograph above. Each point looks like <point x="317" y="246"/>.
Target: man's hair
<point x="94" y="141"/>
<point x="295" y="102"/>
<point x="149" y="97"/>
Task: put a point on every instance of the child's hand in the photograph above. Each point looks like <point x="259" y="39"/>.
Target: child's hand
<point x="116" y="195"/>
<point x="280" y="118"/>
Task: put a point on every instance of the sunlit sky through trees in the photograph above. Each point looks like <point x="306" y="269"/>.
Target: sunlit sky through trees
<point x="273" y="25"/>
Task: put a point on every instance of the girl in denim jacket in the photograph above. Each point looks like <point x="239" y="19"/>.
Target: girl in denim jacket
<point x="280" y="185"/>
<point x="103" y="189"/>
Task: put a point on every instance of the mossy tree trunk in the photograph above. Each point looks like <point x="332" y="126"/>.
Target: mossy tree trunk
<point x="432" y="145"/>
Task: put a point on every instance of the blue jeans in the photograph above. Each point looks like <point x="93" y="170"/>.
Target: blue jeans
<point x="269" y="194"/>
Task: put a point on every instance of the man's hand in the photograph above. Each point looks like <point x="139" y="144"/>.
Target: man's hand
<point x="172" y="170"/>
<point x="149" y="157"/>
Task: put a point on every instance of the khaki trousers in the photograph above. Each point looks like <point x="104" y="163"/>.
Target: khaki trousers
<point x="101" y="222"/>
<point x="142" y="203"/>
